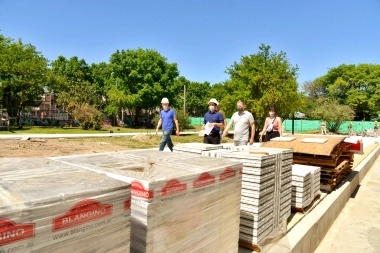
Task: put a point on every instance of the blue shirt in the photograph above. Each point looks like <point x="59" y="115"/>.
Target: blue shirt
<point x="213" y="117"/>
<point x="167" y="118"/>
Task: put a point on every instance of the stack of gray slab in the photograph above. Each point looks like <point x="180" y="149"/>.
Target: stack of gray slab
<point x="283" y="182"/>
<point x="181" y="202"/>
<point x="315" y="180"/>
<point x="196" y="148"/>
<point x="47" y="206"/>
<point x="257" y="199"/>
<point x="301" y="187"/>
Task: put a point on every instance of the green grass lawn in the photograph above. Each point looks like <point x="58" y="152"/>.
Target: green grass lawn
<point x="78" y="130"/>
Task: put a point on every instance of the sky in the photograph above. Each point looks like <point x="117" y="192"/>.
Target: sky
<point x="204" y="37"/>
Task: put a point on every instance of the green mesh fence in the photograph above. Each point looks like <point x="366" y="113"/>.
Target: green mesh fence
<point x="307" y="125"/>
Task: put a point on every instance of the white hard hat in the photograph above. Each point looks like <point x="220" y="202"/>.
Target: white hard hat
<point x="165" y="100"/>
<point x="213" y="100"/>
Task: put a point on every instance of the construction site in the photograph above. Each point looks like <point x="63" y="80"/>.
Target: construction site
<point x="278" y="196"/>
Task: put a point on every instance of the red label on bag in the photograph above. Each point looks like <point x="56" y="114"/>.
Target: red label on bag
<point x="173" y="186"/>
<point x="228" y="173"/>
<point x="11" y="232"/>
<point x="138" y="190"/>
<point x="203" y="180"/>
<point x="84" y="211"/>
<point x="127" y="204"/>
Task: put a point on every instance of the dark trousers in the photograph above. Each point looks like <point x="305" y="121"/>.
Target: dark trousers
<point x="271" y="135"/>
<point x="213" y="138"/>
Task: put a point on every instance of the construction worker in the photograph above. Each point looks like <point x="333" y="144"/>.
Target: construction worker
<point x="376" y="128"/>
<point x="350" y="128"/>
<point x="323" y="127"/>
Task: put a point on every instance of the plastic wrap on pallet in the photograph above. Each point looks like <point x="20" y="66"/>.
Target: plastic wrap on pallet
<point x="180" y="203"/>
<point x="46" y="206"/>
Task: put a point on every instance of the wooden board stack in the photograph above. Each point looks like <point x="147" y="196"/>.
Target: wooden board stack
<point x="180" y="202"/>
<point x="46" y="206"/>
<point x="331" y="154"/>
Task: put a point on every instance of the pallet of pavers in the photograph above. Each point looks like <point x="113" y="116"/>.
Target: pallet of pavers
<point x="181" y="202"/>
<point x="283" y="184"/>
<point x="301" y="189"/>
<point x="257" y="201"/>
<point x="315" y="173"/>
<point x="47" y="206"/>
<point x="196" y="148"/>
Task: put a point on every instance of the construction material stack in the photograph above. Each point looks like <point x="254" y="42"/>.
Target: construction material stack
<point x="181" y="202"/>
<point x="257" y="201"/>
<point x="315" y="173"/>
<point x="46" y="206"/>
<point x="330" y="153"/>
<point x="301" y="188"/>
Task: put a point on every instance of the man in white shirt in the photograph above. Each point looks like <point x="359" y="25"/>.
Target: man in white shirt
<point x="242" y="121"/>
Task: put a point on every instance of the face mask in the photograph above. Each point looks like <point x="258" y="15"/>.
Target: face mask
<point x="240" y="109"/>
<point x="212" y="108"/>
<point x="271" y="113"/>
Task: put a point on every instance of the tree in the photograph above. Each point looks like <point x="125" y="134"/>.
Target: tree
<point x="263" y="80"/>
<point x="333" y="113"/>
<point x="144" y="76"/>
<point x="77" y="92"/>
<point x="22" y="73"/>
<point x="354" y="85"/>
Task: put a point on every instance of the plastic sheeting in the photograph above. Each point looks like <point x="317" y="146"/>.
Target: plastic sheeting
<point x="181" y="202"/>
<point x="46" y="206"/>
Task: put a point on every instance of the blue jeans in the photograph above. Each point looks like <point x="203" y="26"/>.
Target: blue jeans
<point x="166" y="140"/>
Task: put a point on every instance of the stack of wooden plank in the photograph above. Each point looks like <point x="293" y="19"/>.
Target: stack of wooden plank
<point x="181" y="202"/>
<point x="331" y="154"/>
<point x="46" y="206"/>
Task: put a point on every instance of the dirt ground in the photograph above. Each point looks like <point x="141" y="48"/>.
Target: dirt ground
<point x="63" y="147"/>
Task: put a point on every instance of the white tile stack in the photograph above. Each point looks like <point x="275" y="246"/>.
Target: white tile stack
<point x="181" y="202"/>
<point x="46" y="206"/>
<point x="283" y="182"/>
<point x="197" y="148"/>
<point x="315" y="180"/>
<point x="257" y="199"/>
<point x="301" y="187"/>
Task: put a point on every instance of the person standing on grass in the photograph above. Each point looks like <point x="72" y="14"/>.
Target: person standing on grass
<point x="272" y="127"/>
<point x="376" y="129"/>
<point x="167" y="116"/>
<point x="214" y="120"/>
<point x="323" y="127"/>
<point x="242" y="121"/>
<point x="350" y="128"/>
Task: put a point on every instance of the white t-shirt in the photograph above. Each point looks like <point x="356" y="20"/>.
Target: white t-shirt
<point x="242" y="123"/>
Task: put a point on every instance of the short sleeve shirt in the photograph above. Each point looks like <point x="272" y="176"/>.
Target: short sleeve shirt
<point x="213" y="117"/>
<point x="167" y="118"/>
<point x="242" y="122"/>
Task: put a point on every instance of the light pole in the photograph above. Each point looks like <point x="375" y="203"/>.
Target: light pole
<point x="184" y="99"/>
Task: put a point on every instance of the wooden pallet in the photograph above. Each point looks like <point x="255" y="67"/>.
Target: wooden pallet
<point x="249" y="245"/>
<point x="305" y="209"/>
<point x="345" y="146"/>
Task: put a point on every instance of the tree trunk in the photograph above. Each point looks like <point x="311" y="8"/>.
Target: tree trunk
<point x="19" y="108"/>
<point x="137" y="116"/>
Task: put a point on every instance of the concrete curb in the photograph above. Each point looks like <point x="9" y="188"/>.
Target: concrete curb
<point x="310" y="231"/>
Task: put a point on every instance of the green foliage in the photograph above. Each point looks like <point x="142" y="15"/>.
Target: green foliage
<point x="357" y="86"/>
<point x="263" y="80"/>
<point x="22" y="72"/>
<point x="145" y="77"/>
<point x="88" y="116"/>
<point x="333" y="113"/>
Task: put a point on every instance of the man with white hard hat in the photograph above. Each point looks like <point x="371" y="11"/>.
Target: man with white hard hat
<point x="167" y="116"/>
<point x="212" y="119"/>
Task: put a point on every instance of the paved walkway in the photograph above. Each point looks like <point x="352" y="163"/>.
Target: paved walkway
<point x="357" y="228"/>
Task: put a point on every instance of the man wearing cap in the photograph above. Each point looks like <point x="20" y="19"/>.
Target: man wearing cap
<point x="167" y="116"/>
<point x="215" y="120"/>
<point x="242" y="121"/>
